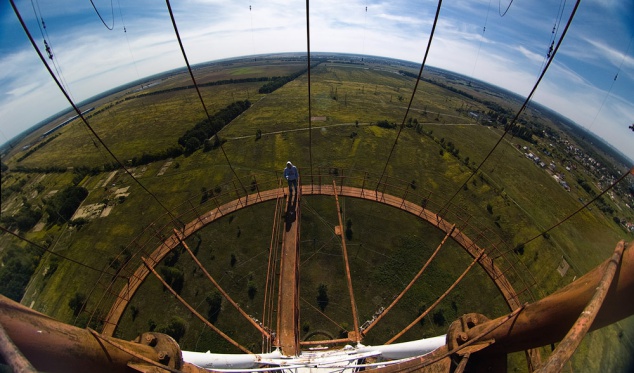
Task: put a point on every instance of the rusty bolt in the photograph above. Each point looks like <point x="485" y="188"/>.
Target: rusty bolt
<point x="163" y="355"/>
<point x="150" y="339"/>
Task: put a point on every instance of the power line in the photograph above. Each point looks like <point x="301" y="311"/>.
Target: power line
<point x="252" y="37"/>
<point x="51" y="55"/>
<point x="554" y="32"/>
<point x="500" y="8"/>
<point x="79" y="113"/>
<point x="365" y="18"/>
<point x="484" y="29"/>
<point x="310" y="118"/>
<point x="618" y="71"/>
<point x="191" y="73"/>
<point x="48" y="43"/>
<point x="420" y="73"/>
<point x="101" y="18"/>
<point x="519" y="112"/>
<point x="629" y="172"/>
<point x="125" y="32"/>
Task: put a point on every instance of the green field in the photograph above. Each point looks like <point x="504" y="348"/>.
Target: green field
<point x="509" y="201"/>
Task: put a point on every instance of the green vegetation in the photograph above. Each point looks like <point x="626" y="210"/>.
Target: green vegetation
<point x="16" y="271"/>
<point x="214" y="301"/>
<point x="61" y="207"/>
<point x="77" y="303"/>
<point x="205" y="129"/>
<point x="175" y="328"/>
<point x="508" y="201"/>
<point x="278" y="82"/>
<point x="24" y="219"/>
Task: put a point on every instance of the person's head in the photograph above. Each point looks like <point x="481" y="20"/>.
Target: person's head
<point x="289" y="164"/>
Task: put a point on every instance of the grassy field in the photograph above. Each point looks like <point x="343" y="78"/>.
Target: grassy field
<point x="387" y="247"/>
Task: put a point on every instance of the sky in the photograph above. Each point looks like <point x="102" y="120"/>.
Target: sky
<point x="590" y="81"/>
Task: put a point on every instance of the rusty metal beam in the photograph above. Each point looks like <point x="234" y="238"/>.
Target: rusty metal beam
<point x="440" y="355"/>
<point x="287" y="337"/>
<point x="52" y="346"/>
<point x="162" y="355"/>
<point x="353" y="305"/>
<point x="569" y="344"/>
<point x="12" y="355"/>
<point x="411" y="283"/>
<point x="548" y="320"/>
<point x="487" y="263"/>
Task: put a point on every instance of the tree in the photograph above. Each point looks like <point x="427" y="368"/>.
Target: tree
<point x="63" y="205"/>
<point x="24" y="219"/>
<point x="385" y="124"/>
<point x="77" y="303"/>
<point x="421" y="309"/>
<point x="174" y="277"/>
<point x="16" y="269"/>
<point x="519" y="249"/>
<point x="191" y="145"/>
<point x="252" y="289"/>
<point x="214" y="300"/>
<point x="151" y="325"/>
<point x="322" y="296"/>
<point x="172" y="258"/>
<point x="204" y="195"/>
<point x="175" y="328"/>
<point x="439" y="318"/>
<point x="207" y="145"/>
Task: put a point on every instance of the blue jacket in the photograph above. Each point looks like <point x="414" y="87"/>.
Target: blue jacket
<point x="290" y="173"/>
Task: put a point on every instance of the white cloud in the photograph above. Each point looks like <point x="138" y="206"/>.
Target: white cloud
<point x="616" y="57"/>
<point x="508" y="54"/>
<point x="22" y="90"/>
<point x="532" y="56"/>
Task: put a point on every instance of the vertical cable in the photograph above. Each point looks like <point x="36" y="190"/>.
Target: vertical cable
<point x="310" y="129"/>
<point x="189" y="68"/>
<point x="411" y="99"/>
<point x="528" y="99"/>
<point x="79" y="113"/>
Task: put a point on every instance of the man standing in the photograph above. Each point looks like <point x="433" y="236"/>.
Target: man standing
<point x="291" y="175"/>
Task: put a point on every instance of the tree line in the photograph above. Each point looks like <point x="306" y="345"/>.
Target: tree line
<point x="280" y="81"/>
<point x="35" y="148"/>
<point x="209" y="84"/>
<point x="195" y="137"/>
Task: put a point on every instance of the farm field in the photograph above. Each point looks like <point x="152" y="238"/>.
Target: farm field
<point x="507" y="202"/>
